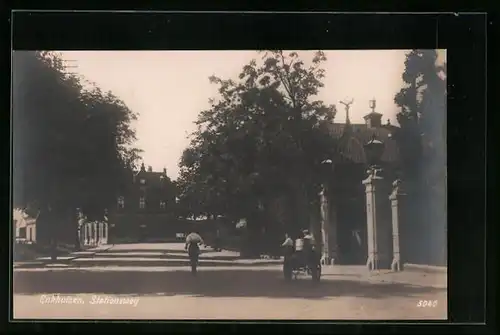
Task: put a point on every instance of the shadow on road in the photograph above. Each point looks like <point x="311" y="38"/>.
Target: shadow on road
<point x="179" y="250"/>
<point x="140" y="261"/>
<point x="170" y="251"/>
<point x="93" y="263"/>
<point x="168" y="254"/>
<point x="208" y="283"/>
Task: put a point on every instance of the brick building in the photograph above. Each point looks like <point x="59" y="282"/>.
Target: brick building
<point x="146" y="209"/>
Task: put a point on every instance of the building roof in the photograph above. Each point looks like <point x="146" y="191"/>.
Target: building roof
<point x="152" y="178"/>
<point x="353" y="137"/>
<point x="371" y="115"/>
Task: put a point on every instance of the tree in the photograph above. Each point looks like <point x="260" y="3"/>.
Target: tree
<point x="72" y="146"/>
<point x="421" y="139"/>
<point x="423" y="111"/>
<point x="264" y="137"/>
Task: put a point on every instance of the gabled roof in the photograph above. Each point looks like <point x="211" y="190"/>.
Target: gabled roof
<point x="152" y="178"/>
<point x="353" y="137"/>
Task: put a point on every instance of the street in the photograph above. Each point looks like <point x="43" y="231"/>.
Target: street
<point x="153" y="281"/>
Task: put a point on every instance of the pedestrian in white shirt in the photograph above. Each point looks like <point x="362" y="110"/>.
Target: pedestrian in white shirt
<point x="288" y="245"/>
<point x="288" y="241"/>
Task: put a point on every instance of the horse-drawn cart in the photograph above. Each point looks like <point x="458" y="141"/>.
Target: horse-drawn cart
<point x="306" y="262"/>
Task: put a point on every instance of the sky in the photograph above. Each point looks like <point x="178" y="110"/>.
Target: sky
<point x="169" y="88"/>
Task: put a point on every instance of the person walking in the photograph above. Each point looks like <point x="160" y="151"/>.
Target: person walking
<point x="288" y="262"/>
<point x="288" y="244"/>
<point x="192" y="246"/>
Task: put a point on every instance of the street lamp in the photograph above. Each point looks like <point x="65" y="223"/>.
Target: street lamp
<point x="374" y="150"/>
<point x="327" y="161"/>
<point x="373" y="104"/>
<point x="80" y="226"/>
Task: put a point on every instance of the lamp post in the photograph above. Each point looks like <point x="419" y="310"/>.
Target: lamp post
<point x="378" y="256"/>
<point x="106" y="226"/>
<point x="80" y="226"/>
<point x="374" y="150"/>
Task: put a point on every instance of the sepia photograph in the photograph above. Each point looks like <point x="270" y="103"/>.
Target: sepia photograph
<point x="236" y="184"/>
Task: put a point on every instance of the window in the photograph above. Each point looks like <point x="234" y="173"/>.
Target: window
<point x="142" y="202"/>
<point x="177" y="200"/>
<point x="121" y="202"/>
<point x="143" y="181"/>
<point x="163" y="204"/>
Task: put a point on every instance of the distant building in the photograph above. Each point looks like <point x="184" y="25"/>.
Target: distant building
<point x="24" y="227"/>
<point x="145" y="209"/>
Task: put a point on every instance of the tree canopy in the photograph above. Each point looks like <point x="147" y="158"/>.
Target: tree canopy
<point x="72" y="145"/>
<point x="422" y="144"/>
<point x="264" y="137"/>
<point x="422" y="136"/>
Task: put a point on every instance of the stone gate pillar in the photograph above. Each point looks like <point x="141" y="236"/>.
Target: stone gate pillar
<point x="333" y="231"/>
<point x="328" y="229"/>
<point x="396" y="199"/>
<point x="378" y="229"/>
<point x="105" y="225"/>
<point x="325" y="228"/>
<point x="104" y="233"/>
<point x="101" y="232"/>
<point x="81" y="231"/>
<point x="89" y="232"/>
<point x="94" y="233"/>
<point x="86" y="233"/>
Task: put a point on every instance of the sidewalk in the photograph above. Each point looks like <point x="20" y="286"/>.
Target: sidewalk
<point x="415" y="277"/>
<point x="64" y="259"/>
<point x="92" y="250"/>
<point x="30" y="252"/>
<point x="425" y="268"/>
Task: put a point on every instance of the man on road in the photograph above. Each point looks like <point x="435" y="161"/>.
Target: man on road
<point x="288" y="245"/>
<point x="305" y="246"/>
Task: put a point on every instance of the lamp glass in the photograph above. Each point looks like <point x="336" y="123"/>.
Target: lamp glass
<point x="374" y="150"/>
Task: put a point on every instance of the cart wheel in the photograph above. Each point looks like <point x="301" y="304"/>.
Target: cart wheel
<point x="287" y="271"/>
<point x="316" y="273"/>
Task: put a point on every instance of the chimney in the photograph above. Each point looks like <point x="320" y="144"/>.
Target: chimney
<point x="150" y="169"/>
<point x="143" y="168"/>
<point x="165" y="171"/>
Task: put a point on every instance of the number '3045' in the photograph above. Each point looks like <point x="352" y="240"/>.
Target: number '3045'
<point x="427" y="303"/>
